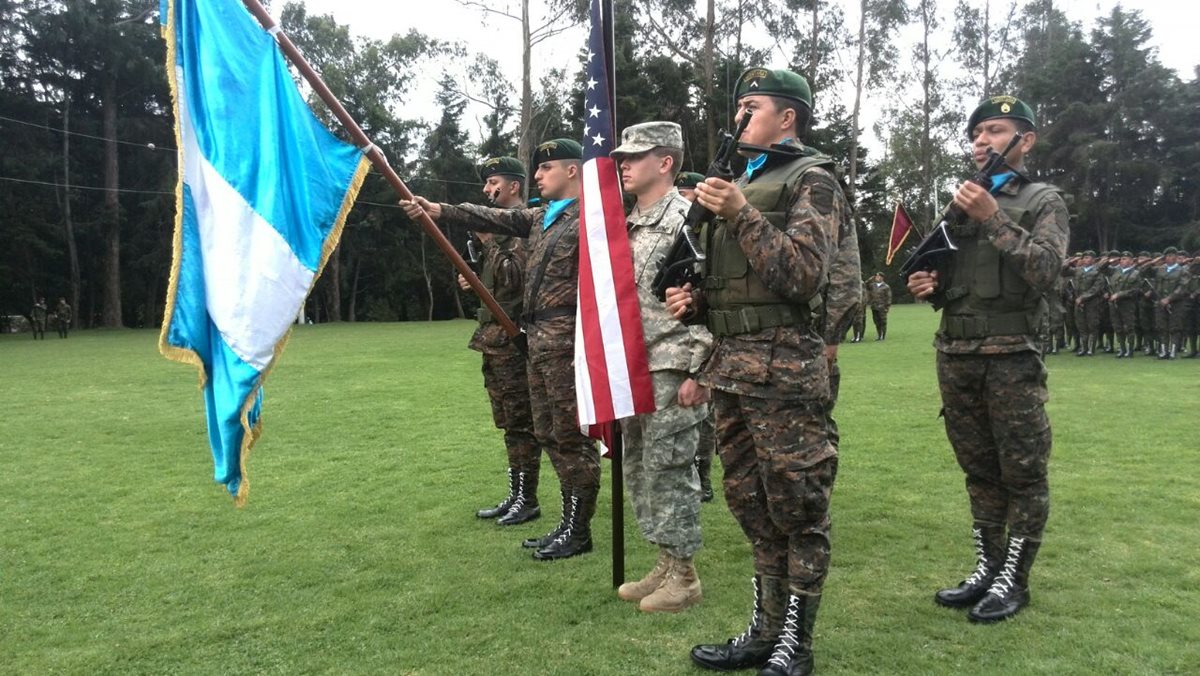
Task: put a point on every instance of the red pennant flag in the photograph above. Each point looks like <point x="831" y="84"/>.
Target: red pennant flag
<point x="901" y="226"/>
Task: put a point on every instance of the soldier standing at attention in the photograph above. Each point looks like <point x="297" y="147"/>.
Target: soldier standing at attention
<point x="660" y="447"/>
<point x="62" y="312"/>
<point x="989" y="363"/>
<point x="1126" y="285"/>
<point x="1145" y="307"/>
<point x="769" y="257"/>
<point x="38" y="315"/>
<point x="1089" y="296"/>
<point x="1171" y="281"/>
<point x="880" y="295"/>
<point x="551" y="287"/>
<point x="859" y="322"/>
<point x="504" y="367"/>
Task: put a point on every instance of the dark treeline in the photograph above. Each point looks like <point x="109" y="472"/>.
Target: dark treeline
<point x="87" y="161"/>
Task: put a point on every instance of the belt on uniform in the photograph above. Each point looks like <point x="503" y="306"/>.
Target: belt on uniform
<point x="548" y="313"/>
<point x="754" y="318"/>
<point x="965" y="327"/>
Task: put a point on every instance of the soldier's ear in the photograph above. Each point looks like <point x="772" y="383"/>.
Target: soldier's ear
<point x="1027" y="140"/>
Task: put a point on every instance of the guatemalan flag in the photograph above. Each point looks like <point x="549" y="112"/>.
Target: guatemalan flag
<point x="262" y="195"/>
<point x="612" y="377"/>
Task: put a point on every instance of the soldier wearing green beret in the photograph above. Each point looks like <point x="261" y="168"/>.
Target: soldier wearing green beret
<point x="989" y="363"/>
<point x="1125" y="288"/>
<point x="1145" y="305"/>
<point x="686" y="182"/>
<point x="504" y="370"/>
<point x="777" y="238"/>
<point x="548" y="317"/>
<point x="1172" y="303"/>
<point x="1089" y="297"/>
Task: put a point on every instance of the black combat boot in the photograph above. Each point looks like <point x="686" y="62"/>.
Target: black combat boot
<point x="1121" y="351"/>
<point x="538" y="543"/>
<point x="576" y="537"/>
<point x="500" y="509"/>
<point x="704" y="469"/>
<point x="525" y="506"/>
<point x="1195" y="339"/>
<point x="989" y="552"/>
<point x="1009" y="592"/>
<point x="793" y="652"/>
<point x="754" y="646"/>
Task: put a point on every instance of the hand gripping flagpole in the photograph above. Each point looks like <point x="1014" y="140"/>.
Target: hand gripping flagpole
<point x="377" y="158"/>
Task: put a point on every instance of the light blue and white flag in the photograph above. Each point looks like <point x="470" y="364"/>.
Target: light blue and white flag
<point x="263" y="191"/>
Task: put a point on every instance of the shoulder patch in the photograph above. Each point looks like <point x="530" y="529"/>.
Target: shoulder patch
<point x="822" y="190"/>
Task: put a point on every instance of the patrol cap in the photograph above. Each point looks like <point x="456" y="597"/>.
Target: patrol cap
<point x="558" y="149"/>
<point x="501" y="166"/>
<point x="1170" y="250"/>
<point x="779" y="82"/>
<point x="688" y="179"/>
<point x="1001" y="106"/>
<point x="638" y="138"/>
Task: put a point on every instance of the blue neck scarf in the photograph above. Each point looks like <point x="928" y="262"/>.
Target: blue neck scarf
<point x="1000" y="180"/>
<point x="757" y="163"/>
<point x="1088" y="268"/>
<point x="1171" y="267"/>
<point x="554" y="210"/>
<point x="1125" y="271"/>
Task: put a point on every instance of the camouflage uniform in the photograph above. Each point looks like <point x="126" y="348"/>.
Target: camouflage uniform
<point x="660" y="447"/>
<point x="504" y="367"/>
<point x="1068" y="305"/>
<point x="771" y="385"/>
<point x="1003" y="449"/>
<point x="844" y="300"/>
<point x="859" y="322"/>
<point x="1089" y="287"/>
<point x="38" y="315"/>
<point x="551" y="284"/>
<point x="1054" y="320"/>
<point x="880" y="297"/>
<point x="1126" y="286"/>
<point x="1171" y="283"/>
<point x="62" y="313"/>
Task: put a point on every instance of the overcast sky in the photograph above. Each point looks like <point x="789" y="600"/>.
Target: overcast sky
<point x="1174" y="24"/>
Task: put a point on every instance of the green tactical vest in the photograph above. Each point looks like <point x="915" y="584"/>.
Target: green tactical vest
<point x="509" y="300"/>
<point x="984" y="294"/>
<point x="738" y="300"/>
<point x="1165" y="282"/>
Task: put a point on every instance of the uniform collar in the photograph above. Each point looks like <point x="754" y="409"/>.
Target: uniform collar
<point x="654" y="213"/>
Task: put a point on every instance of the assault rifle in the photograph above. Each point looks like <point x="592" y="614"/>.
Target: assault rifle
<point x="1154" y="294"/>
<point x="679" y="266"/>
<point x="938" y="242"/>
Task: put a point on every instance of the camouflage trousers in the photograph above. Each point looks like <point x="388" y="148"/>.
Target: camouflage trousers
<point x="1124" y="314"/>
<point x="556" y="425"/>
<point x="507" y="382"/>
<point x="879" y="318"/>
<point x="835" y="384"/>
<point x="859" y="324"/>
<point x="995" y="414"/>
<point x="659" y="463"/>
<point x="779" y="474"/>
<point x="1087" y="317"/>
<point x="708" y="441"/>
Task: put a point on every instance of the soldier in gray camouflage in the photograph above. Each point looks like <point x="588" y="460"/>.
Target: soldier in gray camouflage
<point x="504" y="367"/>
<point x="551" y="288"/>
<point x="660" y="447"/>
<point x="989" y="363"/>
<point x="770" y="252"/>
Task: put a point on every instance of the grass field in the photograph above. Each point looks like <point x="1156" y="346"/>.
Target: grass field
<point x="359" y="553"/>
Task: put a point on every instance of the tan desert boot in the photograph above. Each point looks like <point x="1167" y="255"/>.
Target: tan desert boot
<point x="679" y="591"/>
<point x="636" y="591"/>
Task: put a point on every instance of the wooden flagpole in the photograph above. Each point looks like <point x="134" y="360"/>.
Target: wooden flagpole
<point x="381" y="164"/>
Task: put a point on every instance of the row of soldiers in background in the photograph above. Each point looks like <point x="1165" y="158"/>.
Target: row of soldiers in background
<point x="1125" y="304"/>
<point x="878" y="295"/>
<point x="40" y="314"/>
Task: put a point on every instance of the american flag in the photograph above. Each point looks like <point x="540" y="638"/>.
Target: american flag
<point x="612" y="378"/>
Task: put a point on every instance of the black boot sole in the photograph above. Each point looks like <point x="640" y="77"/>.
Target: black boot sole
<point x="547" y="554"/>
<point x="524" y="516"/>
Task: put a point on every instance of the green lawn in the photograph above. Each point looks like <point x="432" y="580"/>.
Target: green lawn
<point x="359" y="553"/>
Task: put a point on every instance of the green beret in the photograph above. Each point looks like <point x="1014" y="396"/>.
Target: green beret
<point x="1156" y="254"/>
<point x="1089" y="252"/>
<point x="1126" y="254"/>
<point x="1170" y="250"/>
<point x="1000" y="106"/>
<point x="558" y="149"/>
<point x="779" y="82"/>
<point x="1144" y="254"/>
<point x="503" y="166"/>
<point x="688" y="179"/>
